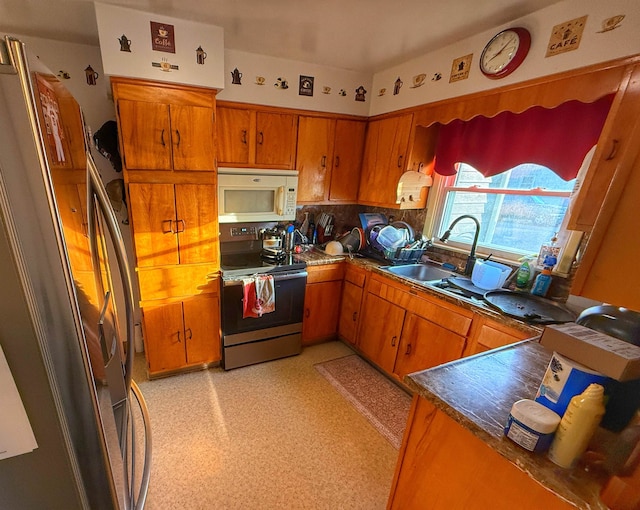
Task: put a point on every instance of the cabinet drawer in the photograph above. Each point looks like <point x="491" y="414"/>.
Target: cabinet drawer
<point x="176" y="281"/>
<point x="452" y="318"/>
<point x="325" y="273"/>
<point x="355" y="276"/>
<point x="389" y="293"/>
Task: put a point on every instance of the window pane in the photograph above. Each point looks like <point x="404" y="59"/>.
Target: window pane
<point x="512" y="223"/>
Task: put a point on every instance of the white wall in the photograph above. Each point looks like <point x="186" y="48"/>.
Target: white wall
<point x="252" y="65"/>
<point x="596" y="46"/>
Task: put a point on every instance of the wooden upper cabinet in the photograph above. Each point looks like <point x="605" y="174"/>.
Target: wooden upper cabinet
<point x="329" y="157"/>
<point x="314" y="157"/>
<point x="174" y="224"/>
<point x="233" y="127"/>
<point x="252" y="138"/>
<point x="347" y="160"/>
<point x="275" y="139"/>
<point x="385" y="160"/>
<point x="159" y="136"/>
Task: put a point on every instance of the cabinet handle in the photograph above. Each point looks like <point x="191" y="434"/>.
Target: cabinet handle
<point x="323" y="162"/>
<point x="188" y="334"/>
<point x="178" y="135"/>
<point x="400" y="161"/>
<point x="355" y="316"/>
<point x="393" y="340"/>
<point x="261" y="134"/>
<point x="307" y="313"/>
<point x="162" y="139"/>
<point x="178" y="333"/>
<point x="614" y="150"/>
<point x="167" y="227"/>
<point x="337" y="161"/>
<point x="244" y="136"/>
<point x="408" y="351"/>
<point x="178" y="229"/>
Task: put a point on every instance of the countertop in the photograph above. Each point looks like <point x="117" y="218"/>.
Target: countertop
<point x="315" y="256"/>
<point x="478" y="393"/>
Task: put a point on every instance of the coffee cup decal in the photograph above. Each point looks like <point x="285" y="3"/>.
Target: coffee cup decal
<point x="326" y="90"/>
<point x="611" y="23"/>
<point x="281" y="83"/>
<point x="418" y="80"/>
<point x="92" y="76"/>
<point x="260" y="80"/>
<point x="125" y="44"/>
<point x="382" y="92"/>
<point x="342" y="92"/>
<point x="201" y="55"/>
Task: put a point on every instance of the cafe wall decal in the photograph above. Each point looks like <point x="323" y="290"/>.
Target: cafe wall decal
<point x="162" y="37"/>
<point x="91" y="75"/>
<point x="460" y="68"/>
<point x="201" y="55"/>
<point x="611" y="23"/>
<point x="306" y="86"/>
<point x="566" y="36"/>
<point x="360" y="93"/>
<point x="125" y="44"/>
<point x="165" y="65"/>
<point x="236" y="77"/>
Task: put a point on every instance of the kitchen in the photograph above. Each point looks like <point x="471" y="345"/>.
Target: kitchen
<point x="383" y="104"/>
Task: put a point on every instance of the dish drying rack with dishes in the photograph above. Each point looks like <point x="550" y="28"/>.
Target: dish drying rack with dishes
<point x="393" y="242"/>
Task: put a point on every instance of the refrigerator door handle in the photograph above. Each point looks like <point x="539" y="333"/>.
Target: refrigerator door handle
<point x="139" y="501"/>
<point x="96" y="189"/>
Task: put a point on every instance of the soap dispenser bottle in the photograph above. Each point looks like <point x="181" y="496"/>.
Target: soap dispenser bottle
<point x="524" y="274"/>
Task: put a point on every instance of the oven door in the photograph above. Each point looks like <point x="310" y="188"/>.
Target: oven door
<point x="274" y="335"/>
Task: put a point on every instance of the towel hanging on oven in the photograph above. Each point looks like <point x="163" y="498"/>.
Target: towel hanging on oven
<point x="258" y="296"/>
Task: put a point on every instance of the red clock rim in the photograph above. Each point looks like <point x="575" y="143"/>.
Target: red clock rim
<point x="523" y="50"/>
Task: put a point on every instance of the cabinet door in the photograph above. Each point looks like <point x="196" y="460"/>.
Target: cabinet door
<point x="145" y="134"/>
<point x="321" y="310"/>
<point x="487" y="334"/>
<point x="202" y="329"/>
<point x="197" y="223"/>
<point x="380" y="331"/>
<point x="233" y="128"/>
<point x="385" y="160"/>
<point x="350" y="312"/>
<point x="154" y="225"/>
<point x="347" y="161"/>
<point x="424" y="345"/>
<point x="313" y="159"/>
<point x="192" y="138"/>
<point x="275" y="139"/>
<point x="164" y="336"/>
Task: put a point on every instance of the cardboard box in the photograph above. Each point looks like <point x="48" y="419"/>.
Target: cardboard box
<point x="610" y="356"/>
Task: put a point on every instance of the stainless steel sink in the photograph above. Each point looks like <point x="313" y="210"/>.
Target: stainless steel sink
<point x="420" y="272"/>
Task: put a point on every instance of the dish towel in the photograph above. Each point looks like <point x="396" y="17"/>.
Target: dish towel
<point x="259" y="296"/>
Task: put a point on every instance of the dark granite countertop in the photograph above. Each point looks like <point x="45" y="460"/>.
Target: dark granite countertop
<point x="478" y="393"/>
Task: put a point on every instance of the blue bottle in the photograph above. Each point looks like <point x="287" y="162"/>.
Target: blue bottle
<point x="543" y="280"/>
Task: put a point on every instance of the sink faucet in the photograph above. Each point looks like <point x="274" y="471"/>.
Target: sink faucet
<point x="471" y="259"/>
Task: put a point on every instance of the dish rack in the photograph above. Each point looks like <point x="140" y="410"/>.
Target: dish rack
<point x="404" y="255"/>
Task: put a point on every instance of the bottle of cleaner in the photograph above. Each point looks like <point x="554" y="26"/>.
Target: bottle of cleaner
<point x="543" y="280"/>
<point x="525" y="273"/>
<point x="578" y="424"/>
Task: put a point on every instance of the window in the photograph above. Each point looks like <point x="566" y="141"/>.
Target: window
<point x="518" y="210"/>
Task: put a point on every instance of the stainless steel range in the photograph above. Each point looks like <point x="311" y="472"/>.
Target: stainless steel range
<point x="249" y="340"/>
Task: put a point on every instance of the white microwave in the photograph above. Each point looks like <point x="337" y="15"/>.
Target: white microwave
<point x="250" y="194"/>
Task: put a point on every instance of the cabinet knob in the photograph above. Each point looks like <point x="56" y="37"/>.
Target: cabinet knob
<point x="400" y="161"/>
<point x="178" y="136"/>
<point x="178" y="224"/>
<point x="188" y="334"/>
<point x="162" y="139"/>
<point x="244" y="136"/>
<point x="307" y="313"/>
<point x="178" y="334"/>
<point x="614" y="150"/>
<point x="393" y="340"/>
<point x="355" y="316"/>
<point x="408" y="350"/>
<point x="337" y="161"/>
<point x="323" y="162"/>
<point x="261" y="137"/>
<point x="167" y="227"/>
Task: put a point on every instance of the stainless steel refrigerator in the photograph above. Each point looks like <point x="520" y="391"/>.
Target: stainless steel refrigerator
<point x="61" y="260"/>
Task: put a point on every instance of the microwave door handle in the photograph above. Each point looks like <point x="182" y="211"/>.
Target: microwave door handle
<point x="280" y="201"/>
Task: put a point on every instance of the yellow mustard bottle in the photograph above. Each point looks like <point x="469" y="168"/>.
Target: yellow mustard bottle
<point x="577" y="426"/>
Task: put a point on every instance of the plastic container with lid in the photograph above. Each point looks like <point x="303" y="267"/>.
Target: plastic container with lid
<point x="531" y="425"/>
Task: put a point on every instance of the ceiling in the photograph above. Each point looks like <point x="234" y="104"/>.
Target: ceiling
<point x="362" y="35"/>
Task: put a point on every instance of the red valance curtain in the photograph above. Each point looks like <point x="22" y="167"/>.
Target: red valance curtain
<point x="557" y="138"/>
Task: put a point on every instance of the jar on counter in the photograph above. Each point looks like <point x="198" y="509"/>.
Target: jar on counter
<point x="531" y="425"/>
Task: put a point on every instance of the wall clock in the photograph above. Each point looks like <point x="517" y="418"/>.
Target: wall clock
<point x="504" y="53"/>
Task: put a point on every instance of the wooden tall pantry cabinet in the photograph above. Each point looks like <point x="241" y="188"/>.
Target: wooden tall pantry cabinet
<point x="167" y="141"/>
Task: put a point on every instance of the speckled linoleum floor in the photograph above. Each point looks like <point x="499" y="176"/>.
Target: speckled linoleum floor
<point x="269" y="436"/>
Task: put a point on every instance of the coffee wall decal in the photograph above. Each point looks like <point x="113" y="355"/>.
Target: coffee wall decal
<point x="162" y="37"/>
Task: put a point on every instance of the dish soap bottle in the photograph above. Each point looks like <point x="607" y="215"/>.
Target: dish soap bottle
<point x="525" y="273"/>
<point x="543" y="280"/>
<point x="578" y="424"/>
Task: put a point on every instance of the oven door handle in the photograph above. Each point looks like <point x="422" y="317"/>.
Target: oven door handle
<point x="276" y="277"/>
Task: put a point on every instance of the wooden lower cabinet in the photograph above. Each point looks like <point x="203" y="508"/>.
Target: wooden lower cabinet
<point x="350" y="309"/>
<point x="487" y="334"/>
<point x="322" y="303"/>
<point x="380" y="331"/>
<point x="443" y="465"/>
<point x="182" y="333"/>
<point x="425" y="344"/>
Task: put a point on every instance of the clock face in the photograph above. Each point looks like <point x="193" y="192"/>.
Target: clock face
<point x="504" y="53"/>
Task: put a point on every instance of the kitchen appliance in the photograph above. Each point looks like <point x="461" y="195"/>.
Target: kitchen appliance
<point x="67" y="294"/>
<point x="249" y="340"/>
<point x="255" y="195"/>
